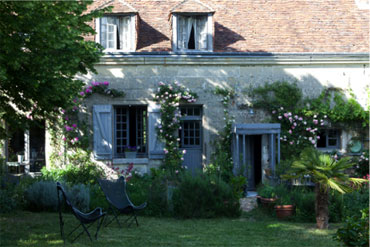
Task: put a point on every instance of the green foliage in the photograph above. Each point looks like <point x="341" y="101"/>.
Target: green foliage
<point x="332" y="102"/>
<point x="222" y="156"/>
<point x="97" y="198"/>
<point x="239" y="186"/>
<point x="301" y="119"/>
<point x="362" y="165"/>
<point x="80" y="170"/>
<point x="324" y="170"/>
<point x="282" y="94"/>
<point x="266" y="191"/>
<point x="356" y="230"/>
<point x="152" y="189"/>
<point x="361" y="199"/>
<point x="204" y="197"/>
<point x="8" y="201"/>
<point x="169" y="96"/>
<point x="42" y="196"/>
<point x="41" y="50"/>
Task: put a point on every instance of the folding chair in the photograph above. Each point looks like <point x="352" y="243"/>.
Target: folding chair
<point x="119" y="202"/>
<point x="86" y="220"/>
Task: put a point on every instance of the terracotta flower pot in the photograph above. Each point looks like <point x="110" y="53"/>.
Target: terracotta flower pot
<point x="284" y="211"/>
<point x="267" y="202"/>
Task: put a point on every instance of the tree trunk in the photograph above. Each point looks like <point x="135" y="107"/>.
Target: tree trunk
<point x="322" y="207"/>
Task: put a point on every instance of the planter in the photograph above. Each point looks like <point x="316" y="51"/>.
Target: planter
<point x="284" y="211"/>
<point x="130" y="155"/>
<point x="266" y="202"/>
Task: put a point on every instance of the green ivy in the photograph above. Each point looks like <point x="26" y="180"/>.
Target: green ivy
<point x="221" y="158"/>
<point x="302" y="119"/>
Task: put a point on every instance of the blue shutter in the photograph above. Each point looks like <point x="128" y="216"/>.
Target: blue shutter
<point x="155" y="145"/>
<point x="102" y="121"/>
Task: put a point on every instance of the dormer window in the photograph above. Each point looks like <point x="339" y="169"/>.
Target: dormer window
<point x="192" y="32"/>
<point x="116" y="32"/>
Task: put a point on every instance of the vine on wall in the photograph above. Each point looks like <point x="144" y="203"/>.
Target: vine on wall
<point x="302" y="119"/>
<point x="169" y="96"/>
<point x="221" y="158"/>
<point x="70" y="132"/>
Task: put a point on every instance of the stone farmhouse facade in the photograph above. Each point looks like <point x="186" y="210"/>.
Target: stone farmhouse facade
<point x="236" y="45"/>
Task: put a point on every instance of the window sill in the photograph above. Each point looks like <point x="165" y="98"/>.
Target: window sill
<point x="128" y="161"/>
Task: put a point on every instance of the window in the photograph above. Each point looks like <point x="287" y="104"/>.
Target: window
<point x="116" y="33"/>
<point x="329" y="138"/>
<point x="192" y="32"/>
<point x="191" y="123"/>
<point x="130" y="129"/>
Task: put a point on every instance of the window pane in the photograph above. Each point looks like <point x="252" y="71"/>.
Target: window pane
<point x="321" y="143"/>
<point x="333" y="133"/>
<point x="333" y="142"/>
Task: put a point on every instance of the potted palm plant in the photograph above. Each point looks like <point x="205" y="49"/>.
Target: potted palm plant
<point x="327" y="173"/>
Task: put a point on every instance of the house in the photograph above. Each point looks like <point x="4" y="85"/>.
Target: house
<point x="229" y="44"/>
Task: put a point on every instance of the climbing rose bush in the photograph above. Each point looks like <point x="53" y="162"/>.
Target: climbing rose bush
<point x="299" y="130"/>
<point x="169" y="96"/>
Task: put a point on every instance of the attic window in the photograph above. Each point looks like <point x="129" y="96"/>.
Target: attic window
<point x="116" y="32"/>
<point x="192" y="32"/>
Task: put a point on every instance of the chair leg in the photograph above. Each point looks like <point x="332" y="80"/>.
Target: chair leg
<point x="137" y="223"/>
<point x="99" y="225"/>
<point x="61" y="224"/>
<point x="83" y="225"/>
<point x="115" y="217"/>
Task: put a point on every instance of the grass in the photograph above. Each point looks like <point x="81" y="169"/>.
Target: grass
<point x="24" y="228"/>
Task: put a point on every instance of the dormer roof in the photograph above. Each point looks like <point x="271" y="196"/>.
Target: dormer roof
<point x="119" y="6"/>
<point x="192" y="6"/>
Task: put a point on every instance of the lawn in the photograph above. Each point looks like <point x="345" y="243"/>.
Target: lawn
<point x="42" y="229"/>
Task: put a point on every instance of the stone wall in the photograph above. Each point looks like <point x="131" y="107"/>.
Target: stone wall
<point x="139" y="76"/>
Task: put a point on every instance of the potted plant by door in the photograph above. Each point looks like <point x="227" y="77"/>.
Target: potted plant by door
<point x="266" y="195"/>
<point x="285" y="207"/>
<point x="130" y="152"/>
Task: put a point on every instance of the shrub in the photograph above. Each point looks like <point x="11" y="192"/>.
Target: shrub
<point x="152" y="189"/>
<point x="7" y="200"/>
<point x="97" y="198"/>
<point x="42" y="196"/>
<point x="204" y="196"/>
<point x="304" y="200"/>
<point x="356" y="230"/>
<point x="361" y="197"/>
<point x="83" y="174"/>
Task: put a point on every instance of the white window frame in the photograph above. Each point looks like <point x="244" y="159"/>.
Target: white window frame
<point x="175" y="30"/>
<point x="131" y="30"/>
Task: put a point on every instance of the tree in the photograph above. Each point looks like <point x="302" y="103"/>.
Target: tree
<point x="327" y="173"/>
<point x="42" y="48"/>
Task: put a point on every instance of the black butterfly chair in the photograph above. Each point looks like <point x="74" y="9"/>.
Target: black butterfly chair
<point x="86" y="220"/>
<point x="115" y="192"/>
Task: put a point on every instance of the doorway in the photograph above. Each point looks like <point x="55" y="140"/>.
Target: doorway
<point x="191" y="137"/>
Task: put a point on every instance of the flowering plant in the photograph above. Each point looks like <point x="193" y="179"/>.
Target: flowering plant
<point x="362" y="164"/>
<point x="169" y="97"/>
<point x="297" y="129"/>
<point x="70" y="129"/>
